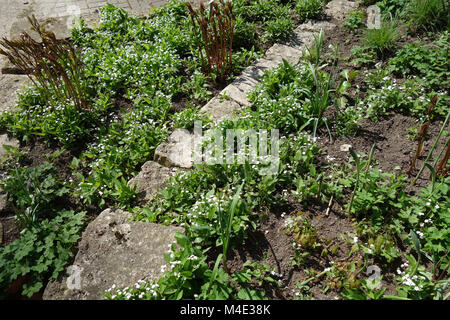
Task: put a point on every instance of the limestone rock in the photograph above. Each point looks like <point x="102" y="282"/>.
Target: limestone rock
<point x="217" y="109"/>
<point x="239" y="88"/>
<point x="57" y="25"/>
<point x="177" y="150"/>
<point x="116" y="251"/>
<point x="61" y="26"/>
<point x="5" y="140"/>
<point x="316" y="26"/>
<point x="257" y="70"/>
<point x="4" y="205"/>
<point x="338" y="9"/>
<point x="301" y="39"/>
<point x="151" y="177"/>
<point x="9" y="84"/>
<point x="278" y="52"/>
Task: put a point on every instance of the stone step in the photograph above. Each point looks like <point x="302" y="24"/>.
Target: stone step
<point x="218" y="109"/>
<point x="339" y="9"/>
<point x="113" y="251"/>
<point x="151" y="178"/>
<point x="177" y="150"/>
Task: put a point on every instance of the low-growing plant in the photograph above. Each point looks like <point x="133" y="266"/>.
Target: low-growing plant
<point x="392" y="8"/>
<point x="384" y="39"/>
<point x="429" y="14"/>
<point x="304" y="237"/>
<point x="42" y="252"/>
<point x="363" y="55"/>
<point x="31" y="192"/>
<point x="355" y="21"/>
<point x="278" y="29"/>
<point x="244" y="34"/>
<point x="225" y="223"/>
<point x="308" y="9"/>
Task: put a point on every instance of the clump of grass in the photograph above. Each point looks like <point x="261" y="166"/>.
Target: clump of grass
<point x="52" y="65"/>
<point x="215" y="30"/>
<point x="384" y="39"/>
<point x="429" y="15"/>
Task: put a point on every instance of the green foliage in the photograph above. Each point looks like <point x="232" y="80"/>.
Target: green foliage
<point x="127" y="144"/>
<point x="42" y="252"/>
<point x="425" y="68"/>
<point x="32" y="190"/>
<point x="244" y="34"/>
<point x="127" y="53"/>
<point x="278" y="29"/>
<point x="308" y="9"/>
<point x="392" y="8"/>
<point x="429" y="63"/>
<point x="355" y="21"/>
<point x="304" y="238"/>
<point x="429" y="15"/>
<point x="384" y="39"/>
<point x="363" y="55"/>
<point x="380" y="196"/>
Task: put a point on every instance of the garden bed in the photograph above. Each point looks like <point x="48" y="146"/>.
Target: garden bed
<point x="292" y="235"/>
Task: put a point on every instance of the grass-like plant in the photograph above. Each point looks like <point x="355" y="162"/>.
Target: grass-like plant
<point x="52" y="65"/>
<point x="358" y="174"/>
<point x="382" y="40"/>
<point x="214" y="29"/>
<point x="429" y="14"/>
<point x="225" y="224"/>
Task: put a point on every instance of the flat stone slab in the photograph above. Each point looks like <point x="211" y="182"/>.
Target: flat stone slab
<point x="4" y="205"/>
<point x="151" y="177"/>
<point x="113" y="251"/>
<point x="278" y="52"/>
<point x="239" y="88"/>
<point x="338" y="9"/>
<point x="301" y="39"/>
<point x="177" y="150"/>
<point x="9" y="84"/>
<point x="217" y="109"/>
<point x="316" y="26"/>
<point x="61" y="26"/>
<point x="5" y="140"/>
<point x="257" y="70"/>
